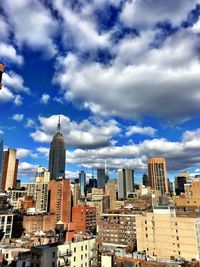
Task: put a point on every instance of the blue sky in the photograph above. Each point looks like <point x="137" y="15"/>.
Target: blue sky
<point x="123" y="75"/>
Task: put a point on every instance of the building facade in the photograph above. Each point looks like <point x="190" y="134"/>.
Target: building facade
<point x="10" y="169"/>
<point x="164" y="235"/>
<point x="60" y="200"/>
<point x="57" y="155"/>
<point x="125" y="182"/>
<point x="102" y="178"/>
<point x="158" y="174"/>
<point x="84" y="218"/>
<point x="117" y="228"/>
<point x="82" y="181"/>
<point x="78" y="253"/>
<point x="1" y="163"/>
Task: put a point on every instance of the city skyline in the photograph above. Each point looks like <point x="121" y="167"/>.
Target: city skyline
<point x="124" y="82"/>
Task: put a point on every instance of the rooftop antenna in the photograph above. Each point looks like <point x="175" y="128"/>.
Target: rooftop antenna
<point x="59" y="125"/>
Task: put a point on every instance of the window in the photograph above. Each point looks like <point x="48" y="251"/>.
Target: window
<point x="81" y="248"/>
<point x="53" y="264"/>
<point x="53" y="254"/>
<point x="74" y="250"/>
<point x="85" y="246"/>
<point x="74" y="258"/>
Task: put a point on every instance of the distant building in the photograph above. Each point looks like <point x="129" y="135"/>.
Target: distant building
<point x="102" y="177"/>
<point x="1" y="163"/>
<point x="145" y="180"/>
<point x="60" y="200"/>
<point x="57" y="155"/>
<point x="179" y="182"/>
<point x="82" y="181"/>
<point x="164" y="235"/>
<point x="158" y="174"/>
<point x="125" y="182"/>
<point x="10" y="169"/>
<point x="42" y="175"/>
<point x="195" y="188"/>
<point x="1" y="73"/>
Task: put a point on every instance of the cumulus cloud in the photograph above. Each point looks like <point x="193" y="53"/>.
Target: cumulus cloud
<point x="9" y="54"/>
<point x="24" y="153"/>
<point x="149" y="131"/>
<point x="74" y="22"/>
<point x="45" y="99"/>
<point x="179" y="155"/>
<point x="14" y="81"/>
<point x="30" y="123"/>
<point x="132" y="87"/>
<point x="147" y="13"/>
<point x="33" y="24"/>
<point x="86" y="133"/>
<point x="26" y="169"/>
<point x="18" y="117"/>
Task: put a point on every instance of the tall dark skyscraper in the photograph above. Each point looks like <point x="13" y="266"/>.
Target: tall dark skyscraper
<point x="57" y="155"/>
<point x="82" y="180"/>
<point x="1" y="163"/>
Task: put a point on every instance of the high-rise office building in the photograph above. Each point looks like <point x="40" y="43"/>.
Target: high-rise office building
<point x="82" y="181"/>
<point x="125" y="182"/>
<point x="1" y="163"/>
<point x="60" y="200"/>
<point x="57" y="155"/>
<point x="179" y="182"/>
<point x="1" y="72"/>
<point x="102" y="177"/>
<point x="10" y="169"/>
<point x="145" y="180"/>
<point x="158" y="174"/>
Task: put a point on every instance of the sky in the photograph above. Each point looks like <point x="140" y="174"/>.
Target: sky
<point x="124" y="75"/>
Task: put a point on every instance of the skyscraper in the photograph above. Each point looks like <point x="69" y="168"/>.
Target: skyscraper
<point x="157" y="174"/>
<point x="10" y="169"/>
<point x="125" y="182"/>
<point x="82" y="181"/>
<point x="1" y="72"/>
<point x="102" y="177"/>
<point x="1" y="163"/>
<point x="57" y="155"/>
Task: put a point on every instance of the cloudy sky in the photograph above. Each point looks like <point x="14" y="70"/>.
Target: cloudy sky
<point x="124" y="76"/>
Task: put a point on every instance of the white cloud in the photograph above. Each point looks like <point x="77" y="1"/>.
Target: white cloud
<point x="25" y="153"/>
<point x="33" y="24"/>
<point x="14" y="81"/>
<point x="9" y="54"/>
<point x="30" y="123"/>
<point x="196" y="27"/>
<point x="18" y="117"/>
<point x="88" y="36"/>
<point x="179" y="155"/>
<point x="86" y="133"/>
<point x="26" y="169"/>
<point x="45" y="99"/>
<point x="149" y="131"/>
<point x="132" y="87"/>
<point x="147" y="13"/>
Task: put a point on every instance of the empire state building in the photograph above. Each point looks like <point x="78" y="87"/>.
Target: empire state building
<point x="57" y="155"/>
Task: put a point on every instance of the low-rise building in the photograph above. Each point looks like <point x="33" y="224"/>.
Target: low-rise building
<point x="164" y="235"/>
<point x="79" y="253"/>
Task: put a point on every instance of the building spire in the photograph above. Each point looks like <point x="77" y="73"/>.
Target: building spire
<point x="59" y="125"/>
